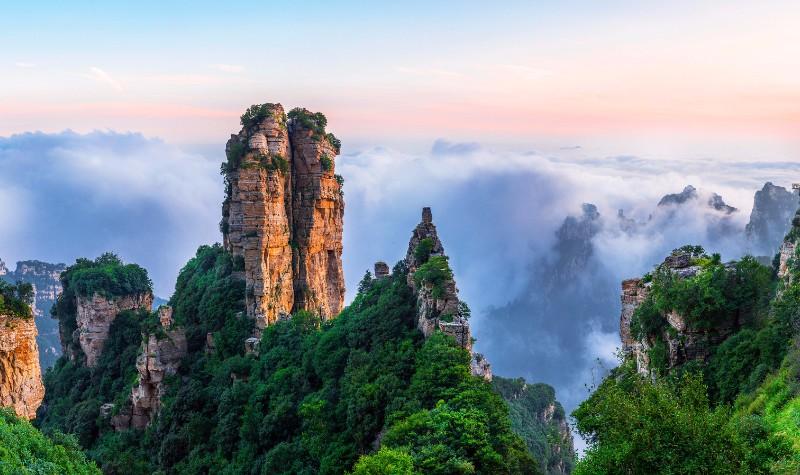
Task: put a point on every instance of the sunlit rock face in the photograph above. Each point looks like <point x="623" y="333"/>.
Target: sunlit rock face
<point x="21" y="385"/>
<point x="283" y="218"/>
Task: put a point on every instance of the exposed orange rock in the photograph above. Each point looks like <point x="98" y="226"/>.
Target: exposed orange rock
<point x="21" y="385"/>
<point x="282" y="218"/>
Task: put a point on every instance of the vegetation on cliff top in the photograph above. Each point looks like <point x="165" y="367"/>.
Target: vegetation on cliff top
<point x="16" y="300"/>
<point x="735" y="412"/>
<point x="107" y="275"/>
<point x="635" y="425"/>
<point x="24" y="450"/>
<point x="316" y="123"/>
<point x="717" y="296"/>
<point x="317" y="398"/>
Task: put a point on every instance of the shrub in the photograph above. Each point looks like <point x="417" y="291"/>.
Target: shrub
<point x="335" y="143"/>
<point x="314" y="121"/>
<point x="25" y="450"/>
<point x="435" y="272"/>
<point x="326" y="162"/>
<point x="255" y="114"/>
<point x="423" y="251"/>
<point x="15" y="300"/>
<point x="633" y="425"/>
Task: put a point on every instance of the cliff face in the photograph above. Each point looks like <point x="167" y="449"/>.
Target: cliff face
<point x="21" y="385"/>
<point x="282" y="218"/>
<point x="47" y="287"/>
<point x="160" y="356"/>
<point x="684" y="341"/>
<point x="438" y="305"/>
<point x="771" y="218"/>
<point x="94" y="318"/>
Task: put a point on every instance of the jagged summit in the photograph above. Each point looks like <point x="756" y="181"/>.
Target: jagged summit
<point x="690" y="193"/>
<point x="283" y="214"/>
<point x="438" y="305"/>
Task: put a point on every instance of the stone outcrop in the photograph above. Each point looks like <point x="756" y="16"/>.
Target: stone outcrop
<point x="160" y="356"/>
<point x="381" y="270"/>
<point x="684" y="342"/>
<point x="283" y="216"/>
<point x="21" y="385"/>
<point x="44" y="277"/>
<point x="771" y="218"/>
<point x="94" y="318"/>
<point x="440" y="309"/>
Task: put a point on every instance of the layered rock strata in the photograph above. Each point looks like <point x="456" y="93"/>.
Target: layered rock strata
<point x="283" y="217"/>
<point x="21" y="385"/>
<point x="94" y="317"/>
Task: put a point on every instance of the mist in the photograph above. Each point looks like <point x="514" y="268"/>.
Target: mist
<point x="543" y="287"/>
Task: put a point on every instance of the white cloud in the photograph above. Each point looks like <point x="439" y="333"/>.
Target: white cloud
<point x="24" y="65"/>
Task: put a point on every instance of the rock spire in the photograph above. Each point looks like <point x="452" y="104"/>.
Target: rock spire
<point x="283" y="214"/>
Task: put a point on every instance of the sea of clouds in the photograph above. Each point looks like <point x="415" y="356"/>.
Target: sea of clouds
<point x="70" y="195"/>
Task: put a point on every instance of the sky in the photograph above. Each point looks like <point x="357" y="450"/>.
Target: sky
<point x="660" y="76"/>
<point x="505" y="117"/>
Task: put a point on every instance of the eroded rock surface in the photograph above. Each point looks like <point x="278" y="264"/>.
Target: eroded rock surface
<point x="94" y="318"/>
<point x="160" y="357"/>
<point x="21" y="385"/>
<point x="283" y="218"/>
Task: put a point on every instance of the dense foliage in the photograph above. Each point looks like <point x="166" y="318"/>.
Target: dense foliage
<point x="634" y="425"/>
<point x="255" y="114"/>
<point x="16" y="300"/>
<point x="24" y="450"/>
<point x="735" y="412"/>
<point x="434" y="273"/>
<point x="317" y="398"/>
<point x="74" y="393"/>
<point x="107" y="276"/>
<point x="539" y="419"/>
<point x="718" y="296"/>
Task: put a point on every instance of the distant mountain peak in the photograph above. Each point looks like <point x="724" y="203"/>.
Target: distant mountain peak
<point x="770" y="220"/>
<point x="690" y="193"/>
